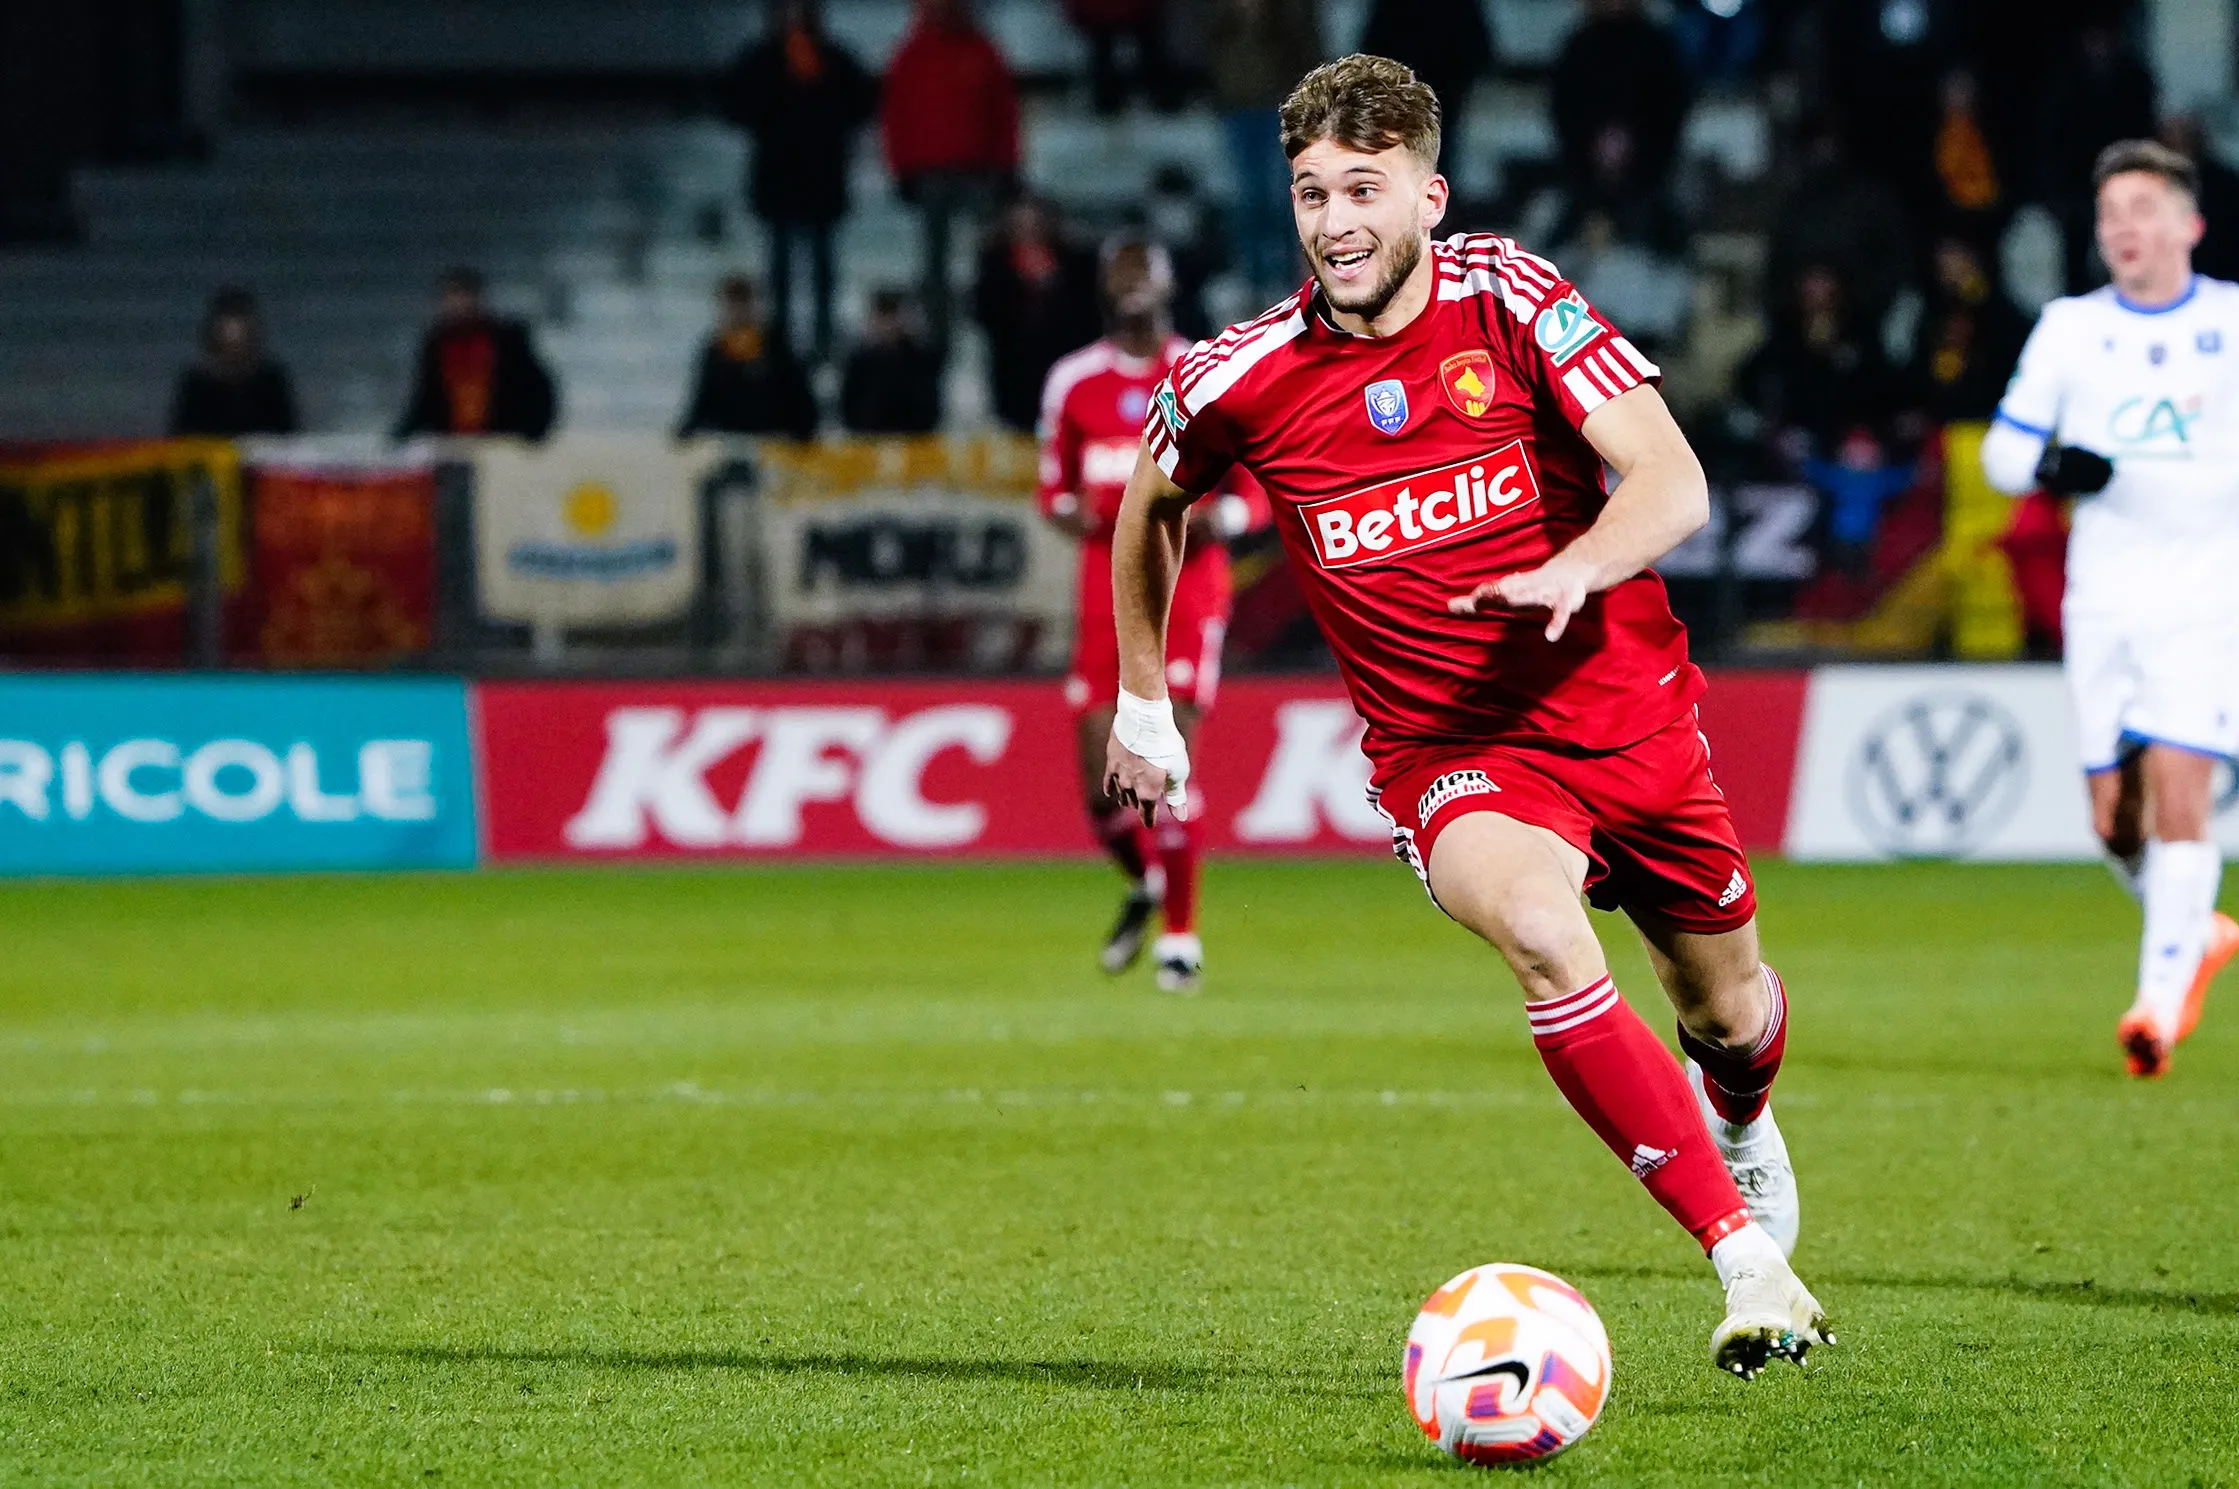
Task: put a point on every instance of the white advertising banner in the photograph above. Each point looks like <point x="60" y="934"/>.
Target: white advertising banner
<point x="589" y="529"/>
<point x="912" y="554"/>
<point x="1943" y="762"/>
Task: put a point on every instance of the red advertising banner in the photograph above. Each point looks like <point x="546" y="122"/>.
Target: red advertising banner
<point x="751" y="770"/>
<point x="610" y="770"/>
<point x="345" y="566"/>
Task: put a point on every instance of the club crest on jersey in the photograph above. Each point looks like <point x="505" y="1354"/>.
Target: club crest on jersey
<point x="1387" y="405"/>
<point x="1563" y="328"/>
<point x="1134" y="403"/>
<point x="2209" y="342"/>
<point x="1467" y="378"/>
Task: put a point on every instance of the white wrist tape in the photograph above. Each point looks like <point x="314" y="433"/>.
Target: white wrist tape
<point x="1146" y="729"/>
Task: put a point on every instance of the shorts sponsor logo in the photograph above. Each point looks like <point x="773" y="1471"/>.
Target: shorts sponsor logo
<point x="1564" y="328"/>
<point x="1452" y="786"/>
<point x="1938" y="774"/>
<point x="1736" y="887"/>
<point x="1395" y="518"/>
<point x="1387" y="405"/>
<point x="1467" y="378"/>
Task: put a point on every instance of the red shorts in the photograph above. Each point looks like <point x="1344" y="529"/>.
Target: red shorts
<point x="1195" y="627"/>
<point x="1652" y="823"/>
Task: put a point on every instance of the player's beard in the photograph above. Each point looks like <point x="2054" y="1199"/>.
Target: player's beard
<point x="1405" y="256"/>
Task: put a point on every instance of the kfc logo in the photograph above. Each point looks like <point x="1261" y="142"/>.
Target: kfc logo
<point x="1396" y="518"/>
<point x="1316" y="777"/>
<point x="654" y="778"/>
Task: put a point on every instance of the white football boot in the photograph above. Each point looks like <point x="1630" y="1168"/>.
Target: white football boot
<point x="1757" y="1156"/>
<point x="1769" y="1313"/>
<point x="1180" y="958"/>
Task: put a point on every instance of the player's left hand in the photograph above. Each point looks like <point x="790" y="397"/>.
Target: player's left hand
<point x="1147" y="759"/>
<point x="1558" y="586"/>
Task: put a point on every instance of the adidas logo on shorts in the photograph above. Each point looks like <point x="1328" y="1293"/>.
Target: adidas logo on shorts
<point x="1736" y="887"/>
<point x="1449" y="786"/>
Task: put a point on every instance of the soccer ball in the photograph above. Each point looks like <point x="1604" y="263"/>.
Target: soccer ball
<point x="1506" y="1364"/>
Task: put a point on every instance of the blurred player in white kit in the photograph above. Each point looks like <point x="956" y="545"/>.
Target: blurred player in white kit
<point x="2128" y="399"/>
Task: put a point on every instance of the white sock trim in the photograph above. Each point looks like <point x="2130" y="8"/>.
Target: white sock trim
<point x="1554" y="1015"/>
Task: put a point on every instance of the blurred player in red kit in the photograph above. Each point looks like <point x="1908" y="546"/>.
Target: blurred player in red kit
<point x="1093" y="407"/>
<point x="1432" y="422"/>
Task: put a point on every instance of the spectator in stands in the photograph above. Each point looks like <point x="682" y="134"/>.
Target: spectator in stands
<point x="479" y="372"/>
<point x="2217" y="254"/>
<point x="1820" y="373"/>
<point x="1885" y="64"/>
<point x="237" y="388"/>
<point x="801" y="97"/>
<point x="1259" y="51"/>
<point x="749" y="381"/>
<point x="1826" y="405"/>
<point x="1037" y="298"/>
<point x="951" y="131"/>
<point x="1720" y="40"/>
<point x="1139" y="25"/>
<point x="1619" y="97"/>
<point x="892" y="384"/>
<point x="2100" y="92"/>
<point x="1176" y="213"/>
<point x="1841" y="217"/>
<point x="1968" y="188"/>
<point x="1446" y="42"/>
<point x="1970" y="334"/>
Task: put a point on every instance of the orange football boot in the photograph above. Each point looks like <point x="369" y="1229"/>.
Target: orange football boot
<point x="2143" y="1048"/>
<point x="2223" y="945"/>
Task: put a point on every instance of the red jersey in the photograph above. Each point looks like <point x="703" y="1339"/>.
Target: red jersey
<point x="1093" y="406"/>
<point x="1408" y="469"/>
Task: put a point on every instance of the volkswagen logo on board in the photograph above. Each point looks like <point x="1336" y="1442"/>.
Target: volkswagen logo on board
<point x="1938" y="775"/>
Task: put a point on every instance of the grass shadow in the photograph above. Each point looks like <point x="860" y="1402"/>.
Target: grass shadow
<point x="2086" y="1294"/>
<point x="1099" y="1375"/>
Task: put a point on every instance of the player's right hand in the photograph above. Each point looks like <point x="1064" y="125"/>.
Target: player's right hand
<point x="2070" y="470"/>
<point x="1147" y="760"/>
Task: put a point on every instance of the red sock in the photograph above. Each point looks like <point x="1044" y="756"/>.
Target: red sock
<point x="1621" y="1079"/>
<point x="1177" y="853"/>
<point x="1125" y="838"/>
<point x="1739" y="1082"/>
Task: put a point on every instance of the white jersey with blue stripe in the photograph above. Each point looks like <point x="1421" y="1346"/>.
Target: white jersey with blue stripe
<point x="2156" y="391"/>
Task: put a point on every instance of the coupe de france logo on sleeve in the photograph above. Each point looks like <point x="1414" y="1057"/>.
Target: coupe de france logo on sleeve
<point x="1387" y="405"/>
<point x="1564" y="328"/>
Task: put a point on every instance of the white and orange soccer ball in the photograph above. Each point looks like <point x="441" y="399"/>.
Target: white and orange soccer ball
<point x="1506" y="1364"/>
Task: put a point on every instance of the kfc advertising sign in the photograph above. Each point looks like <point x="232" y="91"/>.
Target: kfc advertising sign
<point x="607" y="771"/>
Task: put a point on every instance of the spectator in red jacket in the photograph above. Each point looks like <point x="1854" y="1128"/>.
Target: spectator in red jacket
<point x="951" y="131"/>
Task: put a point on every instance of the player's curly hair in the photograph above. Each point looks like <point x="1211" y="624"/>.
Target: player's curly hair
<point x="1363" y="103"/>
<point x="2150" y="156"/>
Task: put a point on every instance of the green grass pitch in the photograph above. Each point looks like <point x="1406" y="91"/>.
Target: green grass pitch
<point x="865" y="1175"/>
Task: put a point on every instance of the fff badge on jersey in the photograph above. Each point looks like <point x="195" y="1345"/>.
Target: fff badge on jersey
<point x="1387" y="405"/>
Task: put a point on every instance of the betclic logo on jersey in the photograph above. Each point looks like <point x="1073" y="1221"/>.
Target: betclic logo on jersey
<point x="1395" y="518"/>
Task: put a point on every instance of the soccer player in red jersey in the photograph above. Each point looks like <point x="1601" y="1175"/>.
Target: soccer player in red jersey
<point x="1432" y="423"/>
<point x="1093" y="407"/>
